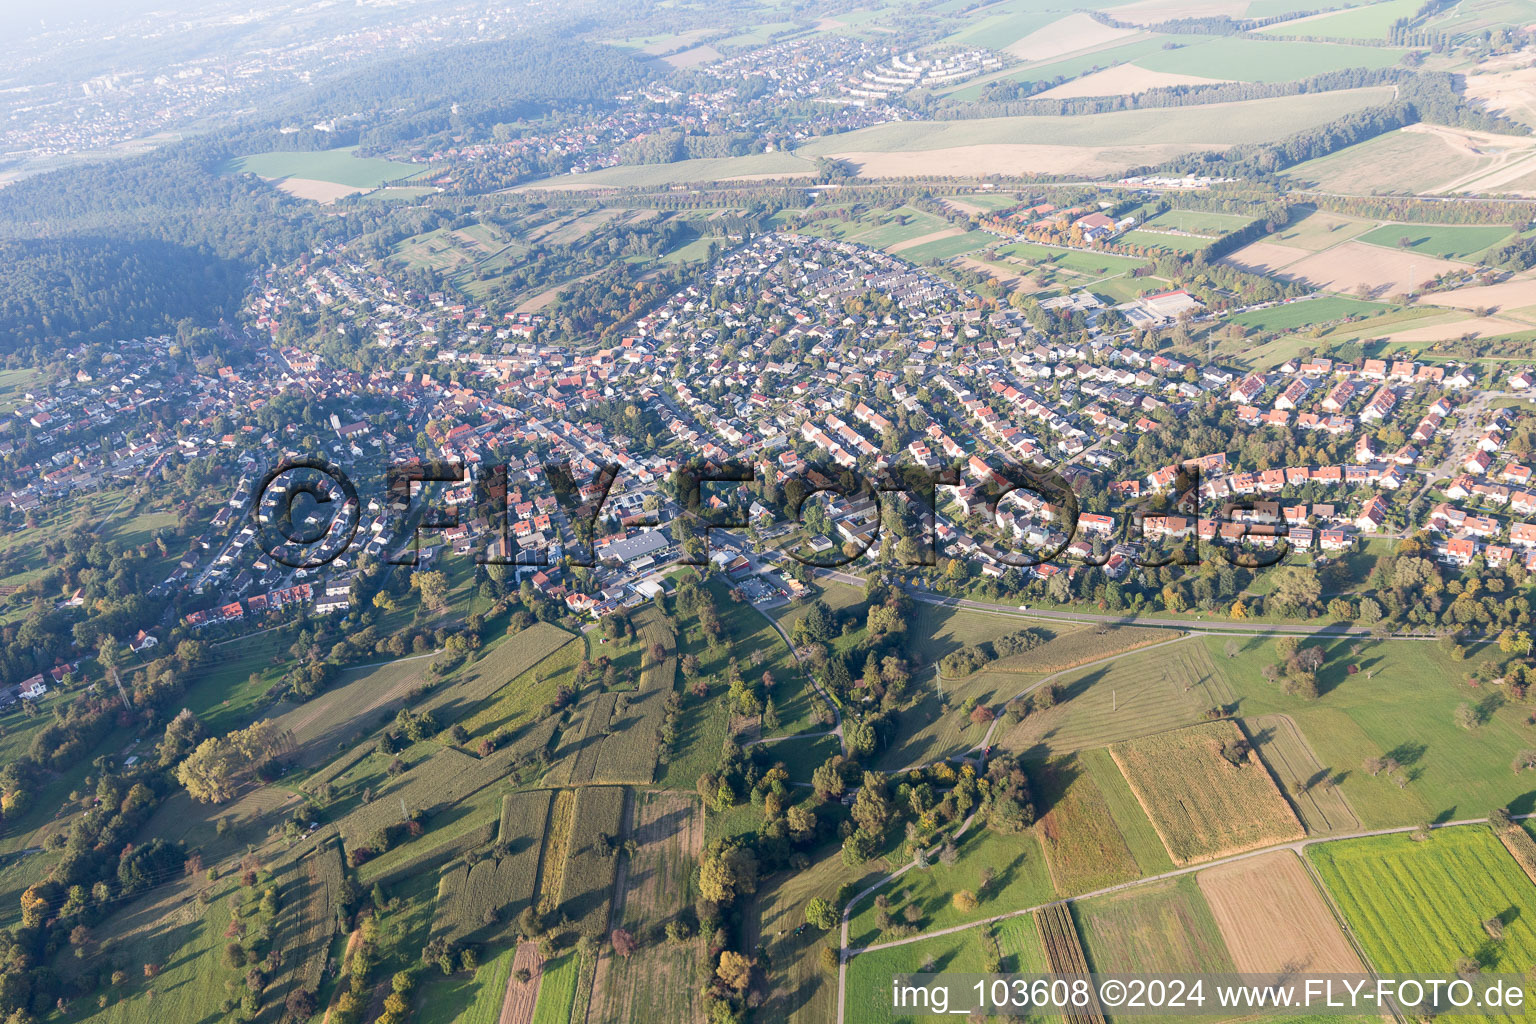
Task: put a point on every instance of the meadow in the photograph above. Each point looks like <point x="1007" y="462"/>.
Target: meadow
<point x="338" y="166"/>
<point x="1291" y="315"/>
<point x="1163" y="927"/>
<point x="870" y="973"/>
<point x="1020" y="880"/>
<point x="1202" y="804"/>
<point x="1401" y="703"/>
<point x="1454" y="241"/>
<point x="1255" y="59"/>
<point x="799" y="989"/>
<point x="1453" y="882"/>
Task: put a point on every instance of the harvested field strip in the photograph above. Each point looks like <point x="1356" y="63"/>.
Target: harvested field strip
<point x="1273" y="919"/>
<point x="325" y="876"/>
<point x="668" y="830"/>
<point x="1321" y="805"/>
<point x="1203" y="805"/>
<point x="1517" y="840"/>
<point x="522" y="996"/>
<point x="1070" y="650"/>
<point x="557" y="843"/>
<point x="1064" y="954"/>
<point x="655" y="984"/>
<point x="587" y="882"/>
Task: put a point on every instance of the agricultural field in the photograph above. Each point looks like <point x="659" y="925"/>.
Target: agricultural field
<point x="538" y="667"/>
<point x="1020" y="879"/>
<point x="1255" y="59"/>
<point x="1202" y="804"/>
<point x="1163" y="927"/>
<point x="612" y="736"/>
<point x="1453" y="881"/>
<point x="1407" y="160"/>
<point x="586" y="883"/>
<point x="1090" y="143"/>
<point x="1167" y="686"/>
<point x="1291" y="315"/>
<point x="1448" y="241"/>
<point x="1309" y="786"/>
<point x="1273" y="919"/>
<point x="476" y="900"/>
<point x="557" y="990"/>
<point x="1369" y="21"/>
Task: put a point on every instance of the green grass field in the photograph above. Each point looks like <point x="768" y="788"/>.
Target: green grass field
<point x="1370" y="21"/>
<point x="1163" y="927"/>
<point x="1254" y="59"/>
<point x="338" y="166"/>
<point x="1198" y="222"/>
<point x="869" y="974"/>
<point x="1021" y="880"/>
<point x="1303" y="314"/>
<point x="457" y="999"/>
<point x="947" y="248"/>
<point x="1163" y="240"/>
<point x="1448" y="241"/>
<point x="557" y="990"/>
<point x="1419" y="907"/>
<point x="800" y="991"/>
